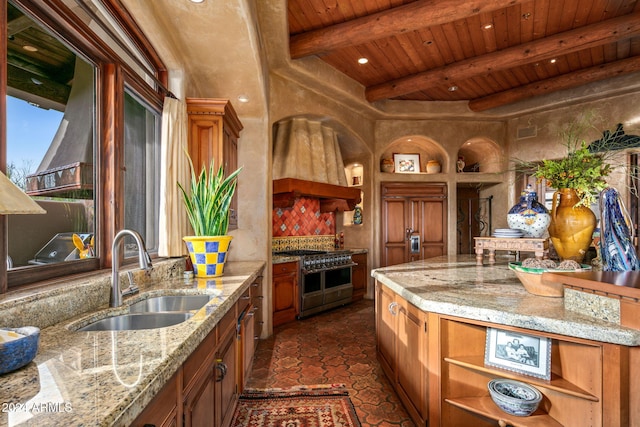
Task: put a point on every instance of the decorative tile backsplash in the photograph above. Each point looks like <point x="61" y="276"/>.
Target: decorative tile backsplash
<point x="303" y="226"/>
<point x="303" y="219"/>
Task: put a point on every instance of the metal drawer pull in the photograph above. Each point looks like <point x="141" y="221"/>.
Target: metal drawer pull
<point x="392" y="308"/>
<point x="223" y="370"/>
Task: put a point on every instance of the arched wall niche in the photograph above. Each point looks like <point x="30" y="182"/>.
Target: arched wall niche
<point x="427" y="148"/>
<point x="481" y="155"/>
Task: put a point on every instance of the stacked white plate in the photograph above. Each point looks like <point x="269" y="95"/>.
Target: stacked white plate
<point x="509" y="233"/>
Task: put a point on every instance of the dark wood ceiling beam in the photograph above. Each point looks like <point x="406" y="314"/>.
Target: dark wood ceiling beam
<point x="568" y="81"/>
<point x="401" y="19"/>
<point x="586" y="37"/>
<point x="36" y="84"/>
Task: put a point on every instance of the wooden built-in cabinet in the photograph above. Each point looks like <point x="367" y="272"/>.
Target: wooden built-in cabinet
<point x="592" y="383"/>
<point x="573" y="397"/>
<point x="359" y="276"/>
<point x="213" y="133"/>
<point x="285" y="292"/>
<point x="205" y="390"/>
<point x="414" y="222"/>
<point x="402" y="350"/>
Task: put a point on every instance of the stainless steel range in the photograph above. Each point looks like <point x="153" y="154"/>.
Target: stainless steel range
<point x="325" y="279"/>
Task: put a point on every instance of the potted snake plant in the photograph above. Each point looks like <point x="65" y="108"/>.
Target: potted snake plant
<point x="208" y="201"/>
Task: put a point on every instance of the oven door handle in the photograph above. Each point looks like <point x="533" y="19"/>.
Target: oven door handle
<point x="337" y="267"/>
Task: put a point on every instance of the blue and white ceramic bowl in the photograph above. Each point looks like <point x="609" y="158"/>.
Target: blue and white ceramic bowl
<point x="18" y="346"/>
<point x="515" y="397"/>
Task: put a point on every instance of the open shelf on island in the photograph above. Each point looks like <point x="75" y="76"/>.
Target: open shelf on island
<point x="487" y="408"/>
<point x="556" y="383"/>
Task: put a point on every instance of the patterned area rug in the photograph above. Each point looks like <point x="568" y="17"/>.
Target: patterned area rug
<point x="300" y="406"/>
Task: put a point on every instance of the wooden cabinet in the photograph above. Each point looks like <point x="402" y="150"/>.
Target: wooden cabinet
<point x="204" y="391"/>
<point x="583" y="373"/>
<point x="414" y="222"/>
<point x="163" y="409"/>
<point x="402" y="350"/>
<point x="444" y="372"/>
<point x="359" y="276"/>
<point x="213" y="133"/>
<point x="285" y="292"/>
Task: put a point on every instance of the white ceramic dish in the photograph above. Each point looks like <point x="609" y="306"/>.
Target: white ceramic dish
<point x="515" y="397"/>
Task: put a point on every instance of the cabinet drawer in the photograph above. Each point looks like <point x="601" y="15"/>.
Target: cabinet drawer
<point x="285" y="268"/>
<point x="228" y="322"/>
<point x="244" y="301"/>
<point x="256" y="288"/>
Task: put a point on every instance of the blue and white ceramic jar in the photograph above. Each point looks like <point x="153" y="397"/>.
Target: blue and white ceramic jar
<point x="529" y="215"/>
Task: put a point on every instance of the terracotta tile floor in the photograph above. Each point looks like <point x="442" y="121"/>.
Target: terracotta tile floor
<point x="337" y="346"/>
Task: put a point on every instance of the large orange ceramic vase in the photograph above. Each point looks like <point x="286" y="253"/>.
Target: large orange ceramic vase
<point x="571" y="227"/>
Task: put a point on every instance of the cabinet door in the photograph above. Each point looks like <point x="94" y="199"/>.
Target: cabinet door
<point x="411" y="360"/>
<point x="162" y="410"/>
<point x="247" y="346"/>
<point x="285" y="292"/>
<point x="359" y="277"/>
<point x="204" y="132"/>
<point x="386" y="329"/>
<point x="413" y="209"/>
<point x="226" y="374"/>
<point x="427" y="220"/>
<point x="394" y="231"/>
<point x="199" y="401"/>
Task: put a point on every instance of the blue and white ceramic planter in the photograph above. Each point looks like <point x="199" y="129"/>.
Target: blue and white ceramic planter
<point x="530" y="216"/>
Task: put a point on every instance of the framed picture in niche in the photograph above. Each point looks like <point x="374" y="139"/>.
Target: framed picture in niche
<point x="406" y="163"/>
<point x="521" y="353"/>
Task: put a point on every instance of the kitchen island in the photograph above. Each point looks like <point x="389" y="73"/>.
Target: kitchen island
<point x="108" y="378"/>
<point x="433" y="318"/>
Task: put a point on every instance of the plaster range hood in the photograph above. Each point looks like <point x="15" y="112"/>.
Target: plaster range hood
<point x="332" y="197"/>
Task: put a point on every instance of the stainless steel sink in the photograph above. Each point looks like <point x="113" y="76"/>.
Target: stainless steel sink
<point x="136" y="321"/>
<point x="170" y="303"/>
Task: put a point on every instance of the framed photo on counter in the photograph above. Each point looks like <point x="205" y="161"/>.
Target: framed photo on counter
<point x="513" y="351"/>
<point x="406" y="163"/>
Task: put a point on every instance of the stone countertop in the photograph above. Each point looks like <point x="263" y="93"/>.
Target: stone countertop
<point x="456" y="286"/>
<point x="108" y="378"/>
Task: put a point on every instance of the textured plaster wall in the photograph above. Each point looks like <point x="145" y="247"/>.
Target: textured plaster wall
<point x="548" y="144"/>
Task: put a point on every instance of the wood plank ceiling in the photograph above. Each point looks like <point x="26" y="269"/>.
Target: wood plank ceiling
<point x="488" y="52"/>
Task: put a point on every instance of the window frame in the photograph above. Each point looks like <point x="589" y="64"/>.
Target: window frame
<point x="113" y="77"/>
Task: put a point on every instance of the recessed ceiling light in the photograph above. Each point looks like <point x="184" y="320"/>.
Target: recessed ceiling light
<point x="453" y="88"/>
<point x="553" y="61"/>
<point x="243" y="98"/>
<point x="197" y="1"/>
<point x="362" y="60"/>
<point x="487" y="26"/>
<point x="36" y="81"/>
<point x="30" y="48"/>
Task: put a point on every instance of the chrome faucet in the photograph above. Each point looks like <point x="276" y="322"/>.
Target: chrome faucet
<point x="143" y="259"/>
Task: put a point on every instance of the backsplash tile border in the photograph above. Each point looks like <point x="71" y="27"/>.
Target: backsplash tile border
<point x="324" y="243"/>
